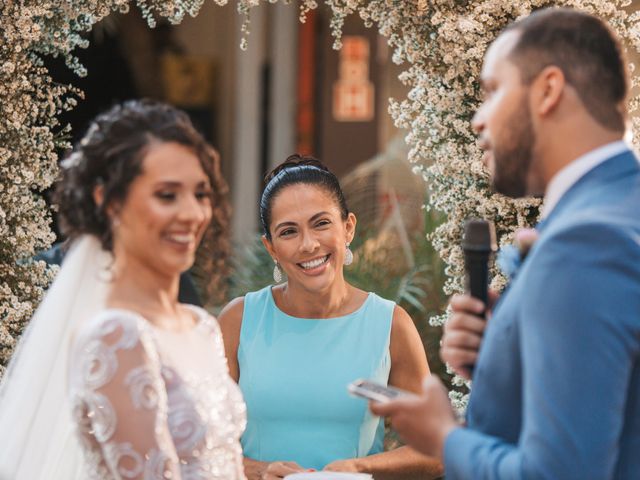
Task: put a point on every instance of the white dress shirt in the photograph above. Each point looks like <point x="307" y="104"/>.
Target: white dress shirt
<point x="569" y="175"/>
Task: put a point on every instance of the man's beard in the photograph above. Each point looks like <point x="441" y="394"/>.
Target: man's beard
<point x="512" y="156"/>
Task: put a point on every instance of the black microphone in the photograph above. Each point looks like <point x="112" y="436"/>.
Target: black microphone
<point x="478" y="244"/>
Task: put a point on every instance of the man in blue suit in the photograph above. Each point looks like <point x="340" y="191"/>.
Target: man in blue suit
<point x="556" y="383"/>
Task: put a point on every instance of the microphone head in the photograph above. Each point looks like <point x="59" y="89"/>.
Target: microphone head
<point x="479" y="236"/>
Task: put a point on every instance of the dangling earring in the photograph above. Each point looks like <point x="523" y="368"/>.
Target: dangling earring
<point x="348" y="255"/>
<point x="277" y="272"/>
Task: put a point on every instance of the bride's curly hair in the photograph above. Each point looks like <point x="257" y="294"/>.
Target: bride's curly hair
<point x="110" y="154"/>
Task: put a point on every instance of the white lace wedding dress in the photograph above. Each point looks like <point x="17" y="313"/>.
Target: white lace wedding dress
<point x="155" y="404"/>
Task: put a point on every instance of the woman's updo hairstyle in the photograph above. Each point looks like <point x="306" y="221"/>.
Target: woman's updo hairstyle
<point x="294" y="170"/>
<point x="111" y="155"/>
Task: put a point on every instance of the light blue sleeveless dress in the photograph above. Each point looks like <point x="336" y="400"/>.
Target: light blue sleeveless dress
<point x="294" y="374"/>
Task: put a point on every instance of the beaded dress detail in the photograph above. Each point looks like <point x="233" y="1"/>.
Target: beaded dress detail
<point x="154" y="404"/>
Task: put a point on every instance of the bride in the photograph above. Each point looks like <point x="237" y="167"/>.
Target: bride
<point x="114" y="378"/>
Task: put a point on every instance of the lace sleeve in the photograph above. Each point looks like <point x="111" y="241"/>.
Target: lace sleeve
<point x="125" y="401"/>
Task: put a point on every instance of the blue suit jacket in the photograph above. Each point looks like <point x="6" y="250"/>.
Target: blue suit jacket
<point x="556" y="389"/>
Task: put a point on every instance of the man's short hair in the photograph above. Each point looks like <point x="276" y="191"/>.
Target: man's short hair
<point x="588" y="53"/>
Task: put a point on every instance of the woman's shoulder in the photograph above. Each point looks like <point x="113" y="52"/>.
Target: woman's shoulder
<point x="398" y="320"/>
<point x="117" y="327"/>
<point x="234" y="310"/>
<point x="401" y="320"/>
<point x="111" y="318"/>
<point x="261" y="296"/>
<point x="104" y="338"/>
<point x="112" y="343"/>
<point x="230" y="320"/>
<point x="201" y="316"/>
<point x="375" y="298"/>
<point x="375" y="306"/>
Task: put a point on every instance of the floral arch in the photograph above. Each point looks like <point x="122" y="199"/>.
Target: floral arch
<point x="440" y="42"/>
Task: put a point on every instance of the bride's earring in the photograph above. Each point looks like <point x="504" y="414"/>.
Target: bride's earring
<point x="348" y="255"/>
<point x="277" y="272"/>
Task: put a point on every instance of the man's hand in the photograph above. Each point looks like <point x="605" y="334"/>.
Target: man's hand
<point x="463" y="333"/>
<point x="423" y="421"/>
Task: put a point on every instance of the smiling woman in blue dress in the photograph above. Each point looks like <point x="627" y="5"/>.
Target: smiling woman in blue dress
<point x="295" y="346"/>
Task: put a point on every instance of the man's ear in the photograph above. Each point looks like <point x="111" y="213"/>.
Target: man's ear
<point x="547" y="90"/>
<point x="269" y="246"/>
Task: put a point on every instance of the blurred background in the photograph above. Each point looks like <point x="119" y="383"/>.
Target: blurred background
<point x="290" y="91"/>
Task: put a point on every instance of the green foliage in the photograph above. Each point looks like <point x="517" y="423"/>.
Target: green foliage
<point x="252" y="269"/>
<point x="418" y="289"/>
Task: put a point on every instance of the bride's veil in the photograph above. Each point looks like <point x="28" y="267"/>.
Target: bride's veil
<point x="38" y="439"/>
